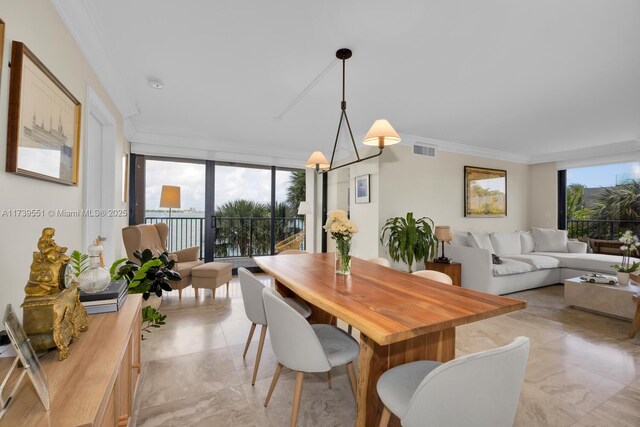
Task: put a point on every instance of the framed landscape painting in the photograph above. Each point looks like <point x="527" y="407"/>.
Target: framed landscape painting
<point x="43" y="136"/>
<point x="485" y="192"/>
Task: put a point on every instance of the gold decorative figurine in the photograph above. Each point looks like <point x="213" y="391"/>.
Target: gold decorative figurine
<point x="53" y="315"/>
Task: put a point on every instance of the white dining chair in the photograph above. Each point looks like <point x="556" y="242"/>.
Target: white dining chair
<point x="434" y="275"/>
<point x="302" y="347"/>
<point x="477" y="390"/>
<point x="380" y="261"/>
<point x="251" y="289"/>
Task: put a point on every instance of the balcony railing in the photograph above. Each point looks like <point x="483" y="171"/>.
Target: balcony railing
<point x="234" y="237"/>
<point x="601" y="229"/>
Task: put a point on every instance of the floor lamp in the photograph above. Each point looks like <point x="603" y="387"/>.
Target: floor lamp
<point x="170" y="197"/>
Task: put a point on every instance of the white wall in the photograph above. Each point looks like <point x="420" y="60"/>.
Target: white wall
<point x="434" y="187"/>
<point x="366" y="215"/>
<point x="37" y="24"/>
<point x="543" y="195"/>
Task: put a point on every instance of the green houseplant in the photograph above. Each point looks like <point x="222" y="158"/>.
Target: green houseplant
<point x="151" y="277"/>
<point x="409" y="239"/>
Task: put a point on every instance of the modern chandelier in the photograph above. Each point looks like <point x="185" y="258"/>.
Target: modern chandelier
<point x="381" y="133"/>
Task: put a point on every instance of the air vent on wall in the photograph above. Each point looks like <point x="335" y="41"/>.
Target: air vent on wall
<point x="420" y="149"/>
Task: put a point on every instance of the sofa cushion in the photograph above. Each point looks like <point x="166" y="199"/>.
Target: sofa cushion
<point x="460" y="238"/>
<point x="527" y="243"/>
<point x="506" y="243"/>
<point x="548" y="240"/>
<point x="184" y="268"/>
<point x="587" y="262"/>
<point x="510" y="266"/>
<point x="480" y="240"/>
<point x="538" y="262"/>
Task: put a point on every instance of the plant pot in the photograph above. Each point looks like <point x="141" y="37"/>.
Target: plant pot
<point x="153" y="301"/>
<point x="623" y="278"/>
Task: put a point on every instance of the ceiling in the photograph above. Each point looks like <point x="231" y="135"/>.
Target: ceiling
<point x="531" y="78"/>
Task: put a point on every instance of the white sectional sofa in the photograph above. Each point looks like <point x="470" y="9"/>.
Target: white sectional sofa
<point x="529" y="259"/>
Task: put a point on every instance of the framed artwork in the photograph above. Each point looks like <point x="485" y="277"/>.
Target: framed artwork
<point x="485" y="192"/>
<point x="27" y="356"/>
<point x="362" y="189"/>
<point x="1" y="47"/>
<point x="43" y="137"/>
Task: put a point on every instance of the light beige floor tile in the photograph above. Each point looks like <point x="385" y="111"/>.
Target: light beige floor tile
<point x="319" y="405"/>
<point x="188" y="375"/>
<point x="539" y="409"/>
<point x="623" y="409"/>
<point x="162" y="343"/>
<point x="591" y="420"/>
<point x="226" y="407"/>
<point x="573" y="385"/>
<point x="244" y="367"/>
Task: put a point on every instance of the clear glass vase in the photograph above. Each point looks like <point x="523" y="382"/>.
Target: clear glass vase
<point x="343" y="257"/>
<point x="95" y="278"/>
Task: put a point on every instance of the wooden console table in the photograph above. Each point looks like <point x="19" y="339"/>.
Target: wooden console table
<point x="96" y="385"/>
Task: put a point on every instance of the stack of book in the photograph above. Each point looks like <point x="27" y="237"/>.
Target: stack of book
<point x="107" y="301"/>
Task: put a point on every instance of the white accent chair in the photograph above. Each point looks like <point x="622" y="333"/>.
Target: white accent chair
<point x="302" y="347"/>
<point x="477" y="390"/>
<point x="434" y="275"/>
<point x="380" y="261"/>
<point x="254" y="308"/>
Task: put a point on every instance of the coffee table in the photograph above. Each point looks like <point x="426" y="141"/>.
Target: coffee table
<point x="612" y="300"/>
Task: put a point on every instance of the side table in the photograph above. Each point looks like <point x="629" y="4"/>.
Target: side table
<point x="453" y="270"/>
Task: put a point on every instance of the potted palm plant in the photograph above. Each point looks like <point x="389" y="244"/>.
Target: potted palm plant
<point x="409" y="239"/>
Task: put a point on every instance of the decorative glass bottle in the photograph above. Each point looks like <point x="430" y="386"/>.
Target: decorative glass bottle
<point x="95" y="278"/>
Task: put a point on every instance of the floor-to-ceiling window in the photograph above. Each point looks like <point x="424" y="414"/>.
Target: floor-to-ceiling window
<point x="186" y="219"/>
<point x="603" y="201"/>
<point x="241" y="211"/>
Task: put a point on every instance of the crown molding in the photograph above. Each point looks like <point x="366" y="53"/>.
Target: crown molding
<point x="454" y="147"/>
<point x="80" y="18"/>
<point x="598" y="153"/>
<point x="167" y="145"/>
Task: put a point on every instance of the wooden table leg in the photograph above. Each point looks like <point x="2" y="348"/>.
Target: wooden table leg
<point x="635" y="324"/>
<point x="375" y="359"/>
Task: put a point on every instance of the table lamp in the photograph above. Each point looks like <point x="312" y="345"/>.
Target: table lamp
<point x="170" y="197"/>
<point x="443" y="234"/>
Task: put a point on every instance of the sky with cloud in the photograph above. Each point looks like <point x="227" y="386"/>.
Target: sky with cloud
<point x="231" y="183"/>
<point x="604" y="175"/>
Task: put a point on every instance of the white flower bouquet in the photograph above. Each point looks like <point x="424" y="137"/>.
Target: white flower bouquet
<point x="629" y="246"/>
<point x="341" y="230"/>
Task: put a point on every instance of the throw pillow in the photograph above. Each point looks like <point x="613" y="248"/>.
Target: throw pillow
<point x="548" y="240"/>
<point x="480" y="240"/>
<point x="506" y="243"/>
<point x="527" y="242"/>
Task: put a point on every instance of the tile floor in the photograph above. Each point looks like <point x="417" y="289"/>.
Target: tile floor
<point x="582" y="370"/>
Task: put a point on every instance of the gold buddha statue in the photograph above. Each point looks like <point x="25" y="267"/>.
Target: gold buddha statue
<point x="47" y="267"/>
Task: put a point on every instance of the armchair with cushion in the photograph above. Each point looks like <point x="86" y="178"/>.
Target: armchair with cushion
<point x="154" y="237"/>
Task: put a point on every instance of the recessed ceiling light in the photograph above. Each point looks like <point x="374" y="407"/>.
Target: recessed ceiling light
<point x="155" y="84"/>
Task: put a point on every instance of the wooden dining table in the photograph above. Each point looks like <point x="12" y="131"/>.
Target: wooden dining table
<point x="401" y="317"/>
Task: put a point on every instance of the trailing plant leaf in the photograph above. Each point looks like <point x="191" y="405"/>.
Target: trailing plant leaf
<point x="151" y="318"/>
<point x="113" y="271"/>
<point x="79" y="262"/>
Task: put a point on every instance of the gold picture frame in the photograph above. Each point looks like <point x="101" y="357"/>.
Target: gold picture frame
<point x="485" y="192"/>
<point x="43" y="135"/>
<point x="1" y="47"/>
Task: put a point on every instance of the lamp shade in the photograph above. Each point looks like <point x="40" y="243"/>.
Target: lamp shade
<point x="304" y="208"/>
<point x="317" y="159"/>
<point x="381" y="134"/>
<point x="170" y="196"/>
<point x="443" y="233"/>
